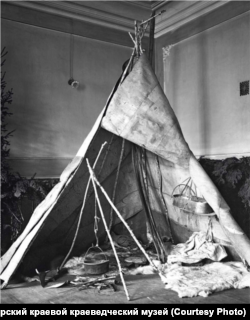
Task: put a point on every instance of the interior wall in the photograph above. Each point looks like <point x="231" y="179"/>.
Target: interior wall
<point x="201" y="78"/>
<point x="50" y="118"/>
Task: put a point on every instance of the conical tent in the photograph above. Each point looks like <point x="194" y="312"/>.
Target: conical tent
<point x="139" y="112"/>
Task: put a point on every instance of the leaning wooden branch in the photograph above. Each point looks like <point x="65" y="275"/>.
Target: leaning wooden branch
<point x="123" y="221"/>
<point x="82" y="208"/>
<point x="106" y="228"/>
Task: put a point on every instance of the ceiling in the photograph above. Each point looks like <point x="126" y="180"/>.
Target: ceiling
<point x="114" y="14"/>
<point x="120" y="15"/>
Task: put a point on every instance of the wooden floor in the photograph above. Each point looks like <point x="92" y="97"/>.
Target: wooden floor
<point x="143" y="289"/>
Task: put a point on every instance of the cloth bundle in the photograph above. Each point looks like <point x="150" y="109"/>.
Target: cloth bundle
<point x="198" y="247"/>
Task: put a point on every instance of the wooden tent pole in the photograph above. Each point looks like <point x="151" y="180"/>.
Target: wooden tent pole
<point x="151" y="39"/>
<point x="82" y="208"/>
<point x="123" y="221"/>
<point x="107" y="229"/>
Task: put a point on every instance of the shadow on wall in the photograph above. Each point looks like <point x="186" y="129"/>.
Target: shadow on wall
<point x="187" y="86"/>
<point x="204" y="130"/>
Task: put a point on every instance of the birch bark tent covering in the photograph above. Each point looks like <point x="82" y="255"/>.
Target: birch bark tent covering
<point x="139" y="112"/>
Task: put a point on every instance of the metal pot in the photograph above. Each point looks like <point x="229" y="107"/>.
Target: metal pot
<point x="95" y="266"/>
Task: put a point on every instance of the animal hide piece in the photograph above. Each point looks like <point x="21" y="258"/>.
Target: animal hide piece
<point x="202" y="281"/>
<point x="244" y="282"/>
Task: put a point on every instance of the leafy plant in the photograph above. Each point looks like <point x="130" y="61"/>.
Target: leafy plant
<point x="244" y="193"/>
<point x="232" y="177"/>
<point x="7" y="178"/>
<point x="14" y="187"/>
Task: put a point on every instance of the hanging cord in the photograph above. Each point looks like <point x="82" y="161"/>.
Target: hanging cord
<point x="82" y="208"/>
<point x="116" y="181"/>
<point x="162" y="197"/>
<point x="71" y="55"/>
<point x="139" y="167"/>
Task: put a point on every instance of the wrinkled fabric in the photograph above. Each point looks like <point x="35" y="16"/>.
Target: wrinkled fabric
<point x="198" y="247"/>
<point x="141" y="113"/>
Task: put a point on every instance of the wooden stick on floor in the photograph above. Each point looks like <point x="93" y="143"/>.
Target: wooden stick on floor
<point x="107" y="229"/>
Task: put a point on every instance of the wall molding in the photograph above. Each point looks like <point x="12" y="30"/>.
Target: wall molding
<point x="94" y="24"/>
<point x="45" y="20"/>
<point x="158" y="4"/>
<point x="143" y="4"/>
<point x="79" y="11"/>
<point x="149" y="4"/>
<point x="173" y="18"/>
